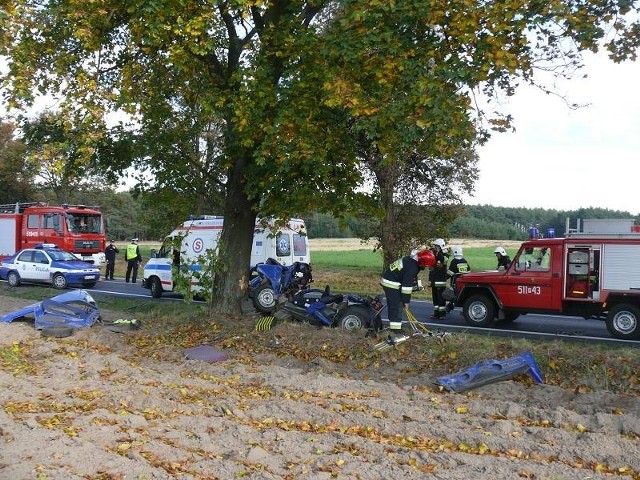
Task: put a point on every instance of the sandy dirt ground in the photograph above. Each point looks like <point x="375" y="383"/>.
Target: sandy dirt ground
<point x="90" y="407"/>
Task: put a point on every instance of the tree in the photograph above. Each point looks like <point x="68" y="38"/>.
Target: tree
<point x="56" y="152"/>
<point x="284" y="81"/>
<point x="16" y="174"/>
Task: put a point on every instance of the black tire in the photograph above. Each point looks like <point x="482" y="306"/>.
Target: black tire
<point x="353" y="318"/>
<point x="155" y="286"/>
<point x="58" y="331"/>
<point x="264" y="299"/>
<point x="479" y="311"/>
<point x="59" y="281"/>
<point x="623" y="321"/>
<point x="14" y="279"/>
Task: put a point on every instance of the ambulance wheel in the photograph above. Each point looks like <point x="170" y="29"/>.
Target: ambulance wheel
<point x="156" y="287"/>
<point x="264" y="299"/>
<point x="479" y="311"/>
<point x="59" y="281"/>
<point x="14" y="279"/>
<point x="353" y="319"/>
<point x="623" y="321"/>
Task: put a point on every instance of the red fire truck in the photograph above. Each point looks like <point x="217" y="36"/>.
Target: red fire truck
<point x="75" y="228"/>
<point x="593" y="272"/>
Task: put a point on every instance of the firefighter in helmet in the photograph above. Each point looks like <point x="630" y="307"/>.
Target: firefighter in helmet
<point x="457" y="266"/>
<point x="438" y="278"/>
<point x="504" y="261"/>
<point x="398" y="280"/>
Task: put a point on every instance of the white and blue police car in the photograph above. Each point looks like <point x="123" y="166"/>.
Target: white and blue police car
<point x="48" y="264"/>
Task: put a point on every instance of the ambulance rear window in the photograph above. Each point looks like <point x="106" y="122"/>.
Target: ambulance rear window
<point x="283" y="245"/>
<point x="299" y="245"/>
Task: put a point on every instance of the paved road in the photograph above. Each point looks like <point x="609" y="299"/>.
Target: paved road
<point x="526" y="326"/>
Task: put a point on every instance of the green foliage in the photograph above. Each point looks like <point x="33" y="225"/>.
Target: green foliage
<point x="16" y="174"/>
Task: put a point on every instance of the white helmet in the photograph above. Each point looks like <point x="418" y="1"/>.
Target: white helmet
<point x="457" y="251"/>
<point x="439" y="242"/>
<point x="500" y="250"/>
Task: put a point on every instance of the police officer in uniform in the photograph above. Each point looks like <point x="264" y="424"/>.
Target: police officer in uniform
<point x="398" y="280"/>
<point x="110" y="254"/>
<point x="133" y="258"/>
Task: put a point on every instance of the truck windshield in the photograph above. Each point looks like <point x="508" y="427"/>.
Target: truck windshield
<point x="536" y="258"/>
<point x="84" y="223"/>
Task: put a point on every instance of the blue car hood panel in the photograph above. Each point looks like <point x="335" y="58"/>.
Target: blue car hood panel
<point x="75" y="309"/>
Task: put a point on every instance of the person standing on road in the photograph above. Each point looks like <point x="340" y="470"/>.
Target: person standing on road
<point x="110" y="254"/>
<point x="438" y="279"/>
<point x="134" y="259"/>
<point x="398" y="280"/>
<point x="457" y="266"/>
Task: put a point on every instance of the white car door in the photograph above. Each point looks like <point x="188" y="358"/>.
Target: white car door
<point x="41" y="266"/>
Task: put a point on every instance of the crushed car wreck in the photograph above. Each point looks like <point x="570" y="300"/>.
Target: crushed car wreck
<point x="59" y="316"/>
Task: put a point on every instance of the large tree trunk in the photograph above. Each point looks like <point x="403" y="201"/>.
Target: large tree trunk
<point x="236" y="240"/>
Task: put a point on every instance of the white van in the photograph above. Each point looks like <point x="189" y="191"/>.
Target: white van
<point x="194" y="237"/>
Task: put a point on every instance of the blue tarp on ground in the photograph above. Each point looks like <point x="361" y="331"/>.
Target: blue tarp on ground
<point x="76" y="309"/>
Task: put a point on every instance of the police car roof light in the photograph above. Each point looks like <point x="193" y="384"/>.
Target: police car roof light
<point x="46" y="245"/>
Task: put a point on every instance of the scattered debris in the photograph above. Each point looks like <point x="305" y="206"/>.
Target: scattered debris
<point x="206" y="353"/>
<point x="418" y="330"/>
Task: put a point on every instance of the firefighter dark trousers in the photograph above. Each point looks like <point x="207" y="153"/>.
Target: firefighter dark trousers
<point x="439" y="303"/>
<point x="394" y="307"/>
<point x="132" y="270"/>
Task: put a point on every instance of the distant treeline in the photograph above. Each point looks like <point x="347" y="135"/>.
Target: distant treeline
<point x="478" y="221"/>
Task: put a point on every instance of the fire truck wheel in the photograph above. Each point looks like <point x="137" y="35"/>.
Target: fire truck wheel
<point x="59" y="281"/>
<point x="14" y="279"/>
<point x="479" y="311"/>
<point x="156" y="287"/>
<point x="623" y="321"/>
<point x="353" y="319"/>
<point x="264" y="299"/>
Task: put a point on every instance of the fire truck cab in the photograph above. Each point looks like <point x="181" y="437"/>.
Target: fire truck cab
<point x="591" y="273"/>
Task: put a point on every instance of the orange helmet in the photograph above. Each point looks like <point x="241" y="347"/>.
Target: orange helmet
<point x="426" y="258"/>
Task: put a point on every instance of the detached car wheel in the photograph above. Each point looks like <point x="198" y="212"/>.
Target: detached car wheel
<point x="14" y="279"/>
<point x="59" y="281"/>
<point x="479" y="311"/>
<point x="57" y="331"/>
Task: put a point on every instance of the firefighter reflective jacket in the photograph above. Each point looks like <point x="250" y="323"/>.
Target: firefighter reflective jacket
<point x="401" y="275"/>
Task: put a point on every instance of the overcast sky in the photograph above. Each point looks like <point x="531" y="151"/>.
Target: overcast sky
<point x="566" y="159"/>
